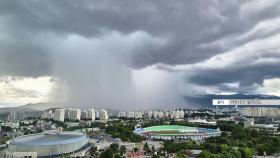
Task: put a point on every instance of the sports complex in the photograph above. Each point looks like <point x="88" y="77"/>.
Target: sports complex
<point x="177" y="132"/>
<point x="47" y="144"/>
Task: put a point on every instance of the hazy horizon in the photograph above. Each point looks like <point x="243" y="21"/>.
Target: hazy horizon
<point x="149" y="54"/>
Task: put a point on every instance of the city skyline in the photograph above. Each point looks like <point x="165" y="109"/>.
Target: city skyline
<point x="153" y="54"/>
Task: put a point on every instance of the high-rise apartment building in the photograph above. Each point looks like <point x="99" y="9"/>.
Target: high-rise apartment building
<point x="138" y="115"/>
<point x="59" y="115"/>
<point x="74" y="114"/>
<point x="103" y="115"/>
<point x="84" y="115"/>
<point x="91" y="114"/>
<point x="130" y="114"/>
<point x="121" y="114"/>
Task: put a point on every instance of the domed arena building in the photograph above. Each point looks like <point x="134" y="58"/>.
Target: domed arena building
<point x="49" y="144"/>
<point x="177" y="132"/>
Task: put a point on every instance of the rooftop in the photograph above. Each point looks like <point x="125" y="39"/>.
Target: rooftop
<point x="48" y="138"/>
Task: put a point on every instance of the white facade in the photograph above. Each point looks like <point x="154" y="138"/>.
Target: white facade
<point x="150" y="114"/>
<point x="249" y="122"/>
<point x="202" y="121"/>
<point x="91" y="114"/>
<point x="84" y="114"/>
<point x="177" y="114"/>
<point x="138" y="115"/>
<point x="103" y="115"/>
<point x="158" y="114"/>
<point x="166" y="114"/>
<point x="47" y="114"/>
<point x="121" y="114"/>
<point x="97" y="114"/>
<point x="260" y="112"/>
<point x="74" y="114"/>
<point x="59" y="115"/>
<point x="130" y="114"/>
<point x="12" y="116"/>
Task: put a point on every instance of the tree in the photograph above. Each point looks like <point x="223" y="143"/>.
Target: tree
<point x="124" y="132"/>
<point x="180" y="154"/>
<point x="66" y="156"/>
<point x="93" y="150"/>
<point x="246" y="153"/>
<point x="6" y="128"/>
<point x="117" y="156"/>
<point x="254" y="133"/>
<point x="204" y="154"/>
<point x="114" y="147"/>
<point x="155" y="156"/>
<point x="4" y="140"/>
<point x="122" y="150"/>
<point x="235" y="153"/>
<point x="190" y="145"/>
<point x="224" y="147"/>
<point x="238" y="133"/>
<point x="107" y="154"/>
<point x="153" y="148"/>
<point x="260" y="148"/>
<point x="135" y="149"/>
<point x="146" y="147"/>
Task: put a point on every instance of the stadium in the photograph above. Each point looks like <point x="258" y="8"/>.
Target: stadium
<point x="47" y="144"/>
<point x="176" y="132"/>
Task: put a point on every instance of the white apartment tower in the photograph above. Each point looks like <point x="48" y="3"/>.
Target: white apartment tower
<point x="48" y="114"/>
<point x="59" y="115"/>
<point x="74" y="114"/>
<point x="97" y="114"/>
<point x="84" y="115"/>
<point x="121" y="114"/>
<point x="130" y="114"/>
<point x="91" y="114"/>
<point x="138" y="115"/>
<point x="103" y="115"/>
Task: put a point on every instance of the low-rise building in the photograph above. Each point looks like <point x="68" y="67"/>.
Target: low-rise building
<point x="264" y="128"/>
<point x="202" y="121"/>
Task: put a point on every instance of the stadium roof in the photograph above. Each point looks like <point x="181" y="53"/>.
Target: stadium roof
<point x="48" y="138"/>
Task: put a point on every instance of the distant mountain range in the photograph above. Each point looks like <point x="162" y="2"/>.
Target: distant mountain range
<point x="28" y="107"/>
<point x="205" y="101"/>
<point x="202" y="101"/>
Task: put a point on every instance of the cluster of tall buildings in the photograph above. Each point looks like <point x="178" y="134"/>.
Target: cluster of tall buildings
<point x="13" y="116"/>
<point x="74" y="114"/>
<point x="175" y="114"/>
<point x="260" y="112"/>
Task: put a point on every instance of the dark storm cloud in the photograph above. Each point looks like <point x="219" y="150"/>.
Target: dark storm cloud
<point x="23" y="60"/>
<point x="246" y="75"/>
<point x="184" y="24"/>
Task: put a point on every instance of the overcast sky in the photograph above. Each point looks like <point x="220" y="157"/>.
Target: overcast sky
<point x="136" y="54"/>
